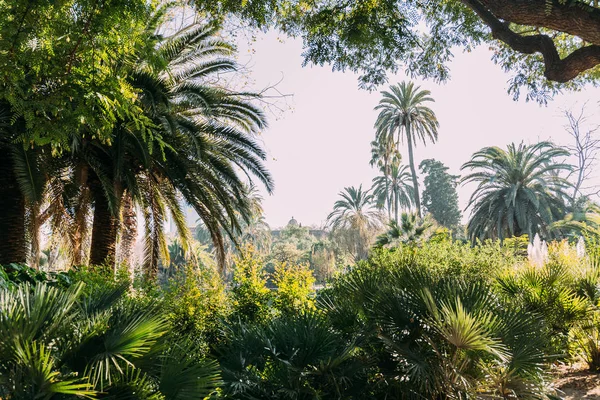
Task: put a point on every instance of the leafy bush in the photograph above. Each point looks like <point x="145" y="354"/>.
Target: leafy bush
<point x="251" y="298"/>
<point x="196" y="303"/>
<point x="295" y="291"/>
<point x="552" y="290"/>
<point x="293" y="357"/>
<point x="14" y="274"/>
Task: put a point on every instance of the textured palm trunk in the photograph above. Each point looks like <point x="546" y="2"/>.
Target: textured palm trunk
<point x="13" y="243"/>
<point x="129" y="231"/>
<point x="396" y="205"/>
<point x="411" y="161"/>
<point x="104" y="229"/>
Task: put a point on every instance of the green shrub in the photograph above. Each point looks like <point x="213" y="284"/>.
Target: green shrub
<point x="196" y="303"/>
<point x="252" y="300"/>
<point x="433" y="334"/>
<point x="295" y="292"/>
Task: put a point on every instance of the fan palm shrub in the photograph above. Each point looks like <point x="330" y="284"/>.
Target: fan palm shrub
<point x="293" y="357"/>
<point x="519" y="190"/>
<point x="410" y="230"/>
<point x="555" y="290"/>
<point x="60" y="343"/>
<point x="438" y="337"/>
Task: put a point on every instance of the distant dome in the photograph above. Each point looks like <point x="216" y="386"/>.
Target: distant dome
<point x="293" y="222"/>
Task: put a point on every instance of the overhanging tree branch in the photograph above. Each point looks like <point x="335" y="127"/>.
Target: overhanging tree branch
<point x="556" y="69"/>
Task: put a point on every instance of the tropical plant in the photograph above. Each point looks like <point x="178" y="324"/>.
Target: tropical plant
<point x="410" y="230"/>
<point x="355" y="218"/>
<point x="433" y="336"/>
<point x="294" y="357"/>
<point x="383" y="151"/>
<point x="394" y="188"/>
<point x="402" y="111"/>
<point x="519" y="190"/>
<point x="58" y="342"/>
<point x="204" y="136"/>
<point x="582" y="219"/>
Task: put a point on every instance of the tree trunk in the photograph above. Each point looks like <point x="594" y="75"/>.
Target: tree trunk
<point x="82" y="208"/>
<point x="387" y="188"/>
<point x="13" y="243"/>
<point x="396" y="205"/>
<point x="129" y="230"/>
<point x="411" y="161"/>
<point x="104" y="230"/>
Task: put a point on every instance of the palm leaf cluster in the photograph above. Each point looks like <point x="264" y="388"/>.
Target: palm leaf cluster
<point x="63" y="343"/>
<point x="519" y="190"/>
<point x="354" y="219"/>
<point x="199" y="147"/>
<point x="435" y="337"/>
<point x="410" y="230"/>
<point x="293" y="357"/>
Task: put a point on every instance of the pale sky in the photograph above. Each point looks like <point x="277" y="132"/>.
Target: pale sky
<point x="320" y="143"/>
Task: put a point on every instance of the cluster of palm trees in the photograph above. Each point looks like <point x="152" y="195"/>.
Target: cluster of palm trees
<point x="520" y="190"/>
<point x="403" y="116"/>
<point x="198" y="146"/>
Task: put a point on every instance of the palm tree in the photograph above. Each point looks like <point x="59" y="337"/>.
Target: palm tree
<point x="383" y="152"/>
<point x="205" y="136"/>
<point x="355" y="216"/>
<point x="402" y="112"/>
<point x="395" y="188"/>
<point x="519" y="190"/>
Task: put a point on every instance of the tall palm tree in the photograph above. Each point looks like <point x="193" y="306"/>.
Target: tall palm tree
<point x="383" y="152"/>
<point x="395" y="188"/>
<point x="355" y="216"/>
<point x="205" y="137"/>
<point x="402" y="111"/>
<point x="519" y="190"/>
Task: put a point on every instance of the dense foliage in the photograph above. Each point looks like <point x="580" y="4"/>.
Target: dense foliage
<point x="436" y="320"/>
<point x="520" y="190"/>
<point x="440" y="199"/>
<point x="548" y="45"/>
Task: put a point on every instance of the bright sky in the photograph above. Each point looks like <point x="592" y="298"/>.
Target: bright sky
<point x="320" y="144"/>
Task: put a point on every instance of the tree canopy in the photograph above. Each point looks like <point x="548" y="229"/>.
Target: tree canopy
<point x="547" y="44"/>
<point x="439" y="196"/>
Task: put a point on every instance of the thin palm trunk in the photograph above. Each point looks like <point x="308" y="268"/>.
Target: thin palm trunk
<point x="104" y="230"/>
<point x="13" y="243"/>
<point x="387" y="186"/>
<point x="413" y="172"/>
<point x="396" y="205"/>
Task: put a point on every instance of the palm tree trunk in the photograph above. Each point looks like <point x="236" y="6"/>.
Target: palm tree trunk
<point x="13" y="243"/>
<point x="388" y="197"/>
<point x="129" y="232"/>
<point x="411" y="162"/>
<point x="396" y="205"/>
<point x="104" y="229"/>
<point x="82" y="208"/>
